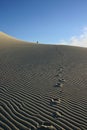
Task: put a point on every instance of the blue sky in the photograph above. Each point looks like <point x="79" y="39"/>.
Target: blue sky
<point x="48" y="21"/>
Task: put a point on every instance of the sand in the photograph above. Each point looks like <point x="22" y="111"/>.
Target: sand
<point x="29" y="95"/>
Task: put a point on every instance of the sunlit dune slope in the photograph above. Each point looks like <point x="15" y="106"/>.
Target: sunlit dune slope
<point x="7" y="39"/>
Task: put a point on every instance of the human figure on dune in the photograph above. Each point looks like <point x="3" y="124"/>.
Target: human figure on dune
<point x="37" y="42"/>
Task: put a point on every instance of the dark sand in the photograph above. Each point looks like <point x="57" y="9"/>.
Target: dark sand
<point x="28" y="74"/>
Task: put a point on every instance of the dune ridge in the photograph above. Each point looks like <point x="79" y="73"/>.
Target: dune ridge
<point x="28" y="75"/>
<point x="7" y="39"/>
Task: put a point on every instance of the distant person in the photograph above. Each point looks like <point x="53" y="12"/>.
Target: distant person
<point x="37" y="42"/>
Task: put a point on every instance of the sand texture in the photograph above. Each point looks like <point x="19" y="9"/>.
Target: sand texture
<point x="42" y="86"/>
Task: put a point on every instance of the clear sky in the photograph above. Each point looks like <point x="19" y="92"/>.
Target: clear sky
<point x="48" y="21"/>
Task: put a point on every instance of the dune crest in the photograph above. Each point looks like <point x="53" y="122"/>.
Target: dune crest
<point x="5" y="38"/>
<point x="4" y="35"/>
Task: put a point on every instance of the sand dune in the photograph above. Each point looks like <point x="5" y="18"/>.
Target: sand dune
<point x="7" y="39"/>
<point x="31" y="93"/>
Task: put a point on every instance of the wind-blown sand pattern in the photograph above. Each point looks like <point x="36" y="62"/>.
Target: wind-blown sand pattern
<point x="28" y="75"/>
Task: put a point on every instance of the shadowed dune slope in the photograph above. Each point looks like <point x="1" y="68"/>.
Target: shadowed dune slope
<point x="28" y="74"/>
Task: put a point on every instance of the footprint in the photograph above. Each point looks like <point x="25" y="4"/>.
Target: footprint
<point x="56" y="114"/>
<point x="46" y="126"/>
<point x="58" y="84"/>
<point x="55" y="101"/>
